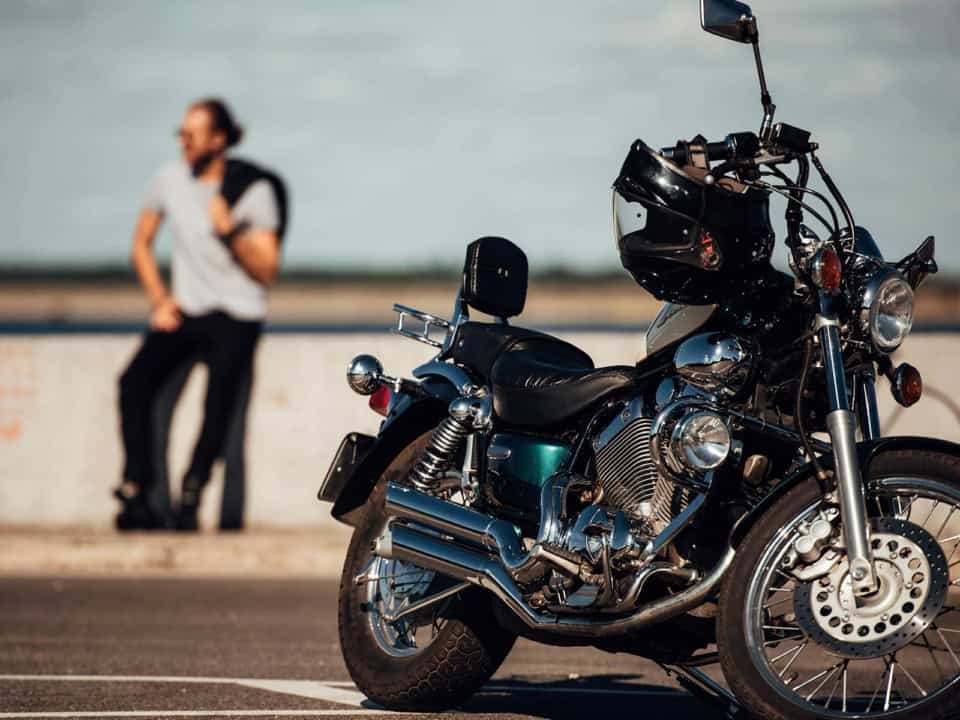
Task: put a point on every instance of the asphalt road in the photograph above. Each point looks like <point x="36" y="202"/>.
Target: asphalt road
<point x="259" y="648"/>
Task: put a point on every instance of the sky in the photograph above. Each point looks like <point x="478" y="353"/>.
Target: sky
<point x="407" y="129"/>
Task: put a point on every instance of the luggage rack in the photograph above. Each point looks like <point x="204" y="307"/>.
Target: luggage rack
<point x="426" y="331"/>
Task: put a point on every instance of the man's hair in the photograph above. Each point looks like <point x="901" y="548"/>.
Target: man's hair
<point x="221" y="119"/>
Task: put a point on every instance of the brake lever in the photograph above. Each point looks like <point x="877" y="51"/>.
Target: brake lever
<point x="726" y="166"/>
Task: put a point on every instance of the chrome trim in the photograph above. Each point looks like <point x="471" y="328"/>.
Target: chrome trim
<point x="365" y="374"/>
<point x="462" y="563"/>
<point x="497" y="561"/>
<point x="421" y="334"/>
<point x="675" y="447"/>
<point x="853" y="511"/>
<point x="426" y="602"/>
<point x="717" y="362"/>
<point x="842" y="426"/>
<point x="634" y="410"/>
<point x="676" y="526"/>
<point x="867" y="301"/>
<point x="453" y="374"/>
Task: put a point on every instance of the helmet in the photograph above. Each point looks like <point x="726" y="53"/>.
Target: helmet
<point x="685" y="241"/>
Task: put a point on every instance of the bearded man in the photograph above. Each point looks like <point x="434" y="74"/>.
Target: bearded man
<point x="228" y="217"/>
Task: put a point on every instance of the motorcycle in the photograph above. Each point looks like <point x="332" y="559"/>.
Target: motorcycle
<point x="730" y="489"/>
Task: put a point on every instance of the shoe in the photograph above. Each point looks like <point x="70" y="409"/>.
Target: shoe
<point x="136" y="513"/>
<point x="186" y="520"/>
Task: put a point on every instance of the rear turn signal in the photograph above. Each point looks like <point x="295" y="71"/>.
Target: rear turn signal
<point x="380" y="400"/>
<point x="906" y="384"/>
<point x="825" y="270"/>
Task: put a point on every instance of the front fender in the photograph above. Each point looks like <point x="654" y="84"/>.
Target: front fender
<point x="412" y="418"/>
<point x="867" y="451"/>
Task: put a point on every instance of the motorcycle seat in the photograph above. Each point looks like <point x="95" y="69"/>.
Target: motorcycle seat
<point x="542" y="381"/>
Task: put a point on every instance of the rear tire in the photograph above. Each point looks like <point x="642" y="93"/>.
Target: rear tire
<point x="465" y="651"/>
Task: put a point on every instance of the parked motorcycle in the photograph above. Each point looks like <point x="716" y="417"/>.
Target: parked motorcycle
<point x="730" y="488"/>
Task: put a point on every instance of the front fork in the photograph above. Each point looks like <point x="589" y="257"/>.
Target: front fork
<point x="842" y="425"/>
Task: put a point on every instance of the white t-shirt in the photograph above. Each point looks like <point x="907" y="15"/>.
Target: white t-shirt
<point x="205" y="276"/>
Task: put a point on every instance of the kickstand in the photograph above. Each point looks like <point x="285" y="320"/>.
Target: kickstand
<point x="707" y="689"/>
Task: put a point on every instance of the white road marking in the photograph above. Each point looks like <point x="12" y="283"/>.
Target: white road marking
<point x="308" y="689"/>
<point x="333" y="691"/>
<point x="316" y="690"/>
<point x="197" y="713"/>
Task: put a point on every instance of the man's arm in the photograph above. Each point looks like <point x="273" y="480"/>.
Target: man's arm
<point x="165" y="315"/>
<point x="256" y="249"/>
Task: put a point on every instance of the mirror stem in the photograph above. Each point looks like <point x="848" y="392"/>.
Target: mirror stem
<point x="768" y="107"/>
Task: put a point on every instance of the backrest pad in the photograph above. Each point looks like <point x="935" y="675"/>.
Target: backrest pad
<point x="495" y="277"/>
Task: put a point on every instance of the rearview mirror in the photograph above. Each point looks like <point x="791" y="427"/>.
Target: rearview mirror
<point x="728" y="18"/>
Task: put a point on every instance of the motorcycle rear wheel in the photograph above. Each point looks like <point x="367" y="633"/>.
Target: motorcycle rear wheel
<point x="431" y="663"/>
<point x="784" y="662"/>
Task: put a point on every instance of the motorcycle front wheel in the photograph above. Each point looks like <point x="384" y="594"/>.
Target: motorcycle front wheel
<point x="428" y="661"/>
<point x="800" y="648"/>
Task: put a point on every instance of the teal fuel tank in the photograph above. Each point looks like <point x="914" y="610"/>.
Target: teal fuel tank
<point x="518" y="466"/>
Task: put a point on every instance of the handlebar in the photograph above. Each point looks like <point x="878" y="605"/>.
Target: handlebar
<point x="735" y="146"/>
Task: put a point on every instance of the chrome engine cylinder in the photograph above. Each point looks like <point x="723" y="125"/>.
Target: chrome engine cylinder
<point x="626" y="471"/>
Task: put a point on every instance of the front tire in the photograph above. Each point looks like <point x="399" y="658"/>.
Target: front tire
<point x="463" y="646"/>
<point x="774" y="653"/>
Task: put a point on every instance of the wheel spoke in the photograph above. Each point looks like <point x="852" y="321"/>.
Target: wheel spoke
<point x="796" y="653"/>
<point x="816" y="677"/>
<point x="776" y="602"/>
<point x="836" y="684"/>
<point x="845" y="687"/>
<point x="933" y="509"/>
<point x="798" y="634"/>
<point x="946" y="520"/>
<point x="886" y="701"/>
<point x="912" y="679"/>
<point x="825" y="680"/>
<point x="943" y="639"/>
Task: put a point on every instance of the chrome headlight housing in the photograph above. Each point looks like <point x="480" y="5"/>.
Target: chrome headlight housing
<point x="887" y="311"/>
<point x="699" y="442"/>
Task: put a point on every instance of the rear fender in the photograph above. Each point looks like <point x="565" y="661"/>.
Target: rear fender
<point x="408" y="420"/>
<point x="867" y="451"/>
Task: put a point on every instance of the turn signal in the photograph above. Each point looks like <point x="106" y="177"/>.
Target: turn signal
<point x="906" y="385"/>
<point x="380" y="400"/>
<point x="825" y="270"/>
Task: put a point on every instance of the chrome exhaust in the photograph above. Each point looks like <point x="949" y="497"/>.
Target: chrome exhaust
<point x="496" y="559"/>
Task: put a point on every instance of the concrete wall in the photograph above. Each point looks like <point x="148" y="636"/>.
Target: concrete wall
<point x="60" y="453"/>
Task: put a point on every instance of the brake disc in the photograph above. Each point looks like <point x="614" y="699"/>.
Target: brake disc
<point x="913" y="581"/>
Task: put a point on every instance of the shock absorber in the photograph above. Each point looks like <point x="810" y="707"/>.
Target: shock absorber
<point x="467" y="414"/>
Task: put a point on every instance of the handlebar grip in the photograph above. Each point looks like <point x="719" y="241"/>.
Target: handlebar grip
<point x="735" y="146"/>
<point x="722" y="150"/>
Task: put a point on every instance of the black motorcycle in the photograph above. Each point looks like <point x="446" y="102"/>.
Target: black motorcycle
<point x="730" y="489"/>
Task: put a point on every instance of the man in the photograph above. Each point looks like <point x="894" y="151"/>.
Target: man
<point x="228" y="218"/>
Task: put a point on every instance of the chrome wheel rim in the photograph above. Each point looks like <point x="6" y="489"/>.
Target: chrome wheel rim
<point x="392" y="586"/>
<point x="905" y="669"/>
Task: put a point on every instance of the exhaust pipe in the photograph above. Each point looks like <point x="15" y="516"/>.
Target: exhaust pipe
<point x="497" y="573"/>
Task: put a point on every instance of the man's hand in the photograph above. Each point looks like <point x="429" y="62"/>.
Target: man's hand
<point x="166" y="316"/>
<point x="220" y="218"/>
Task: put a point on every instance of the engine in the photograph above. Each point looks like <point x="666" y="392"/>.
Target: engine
<point x="652" y="467"/>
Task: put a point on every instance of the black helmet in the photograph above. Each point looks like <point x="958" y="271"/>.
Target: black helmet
<point x="685" y="241"/>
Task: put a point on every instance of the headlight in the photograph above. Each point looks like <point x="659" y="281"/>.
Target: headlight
<point x="699" y="442"/>
<point x="888" y="311"/>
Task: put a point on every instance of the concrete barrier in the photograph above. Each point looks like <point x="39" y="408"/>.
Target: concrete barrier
<point x="59" y="443"/>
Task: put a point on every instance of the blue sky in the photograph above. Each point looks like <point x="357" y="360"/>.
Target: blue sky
<point x="406" y="129"/>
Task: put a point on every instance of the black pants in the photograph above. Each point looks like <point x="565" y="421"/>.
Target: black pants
<point x="226" y="346"/>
